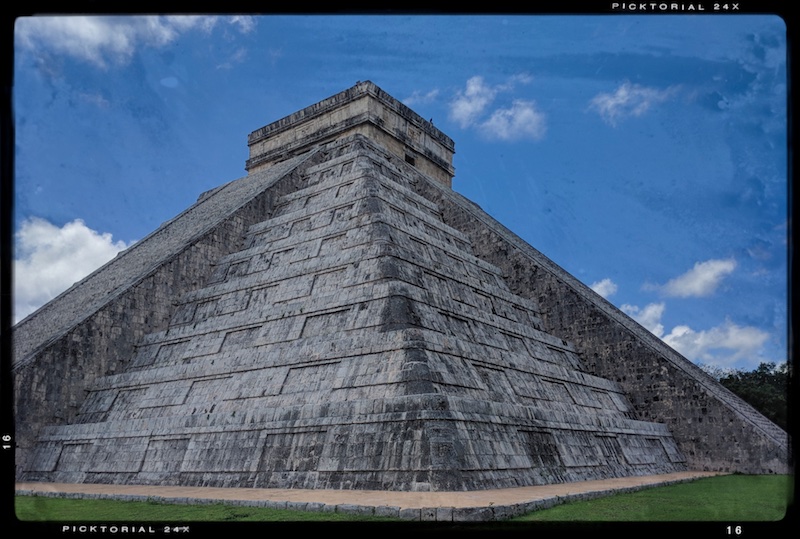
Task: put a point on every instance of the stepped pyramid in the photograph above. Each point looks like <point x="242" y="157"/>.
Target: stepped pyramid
<point x="340" y="318"/>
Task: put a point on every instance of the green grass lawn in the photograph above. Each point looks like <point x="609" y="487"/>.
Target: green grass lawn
<point x="733" y="498"/>
<point x="43" y="509"/>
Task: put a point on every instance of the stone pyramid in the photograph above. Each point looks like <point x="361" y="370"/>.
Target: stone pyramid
<point x="332" y="321"/>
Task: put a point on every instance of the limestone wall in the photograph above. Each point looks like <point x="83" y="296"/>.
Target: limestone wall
<point x="91" y="329"/>
<point x="353" y="342"/>
<point x="715" y="429"/>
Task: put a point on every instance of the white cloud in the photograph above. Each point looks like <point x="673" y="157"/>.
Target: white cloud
<point x="239" y="56"/>
<point x="95" y="99"/>
<point x="418" y="97"/>
<point x="702" y="280"/>
<point x="245" y="23"/>
<point x="99" y="40"/>
<point x="628" y="100"/>
<point x="649" y="317"/>
<point x="520" y="78"/>
<point x="49" y="259"/>
<point x="522" y="120"/>
<point x="470" y="104"/>
<point x="605" y="288"/>
<point x="88" y="38"/>
<point x="722" y="346"/>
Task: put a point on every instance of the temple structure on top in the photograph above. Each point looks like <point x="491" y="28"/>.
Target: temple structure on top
<point x="363" y="109"/>
<point x="341" y="318"/>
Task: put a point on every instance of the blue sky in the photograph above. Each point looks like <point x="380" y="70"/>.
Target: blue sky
<point x="645" y="154"/>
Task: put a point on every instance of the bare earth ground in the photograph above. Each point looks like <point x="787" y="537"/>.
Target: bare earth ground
<point x="478" y="501"/>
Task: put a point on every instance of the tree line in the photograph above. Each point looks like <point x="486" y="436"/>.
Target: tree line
<point x="765" y="388"/>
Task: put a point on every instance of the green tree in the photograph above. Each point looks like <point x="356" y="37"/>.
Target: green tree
<point x="764" y="388"/>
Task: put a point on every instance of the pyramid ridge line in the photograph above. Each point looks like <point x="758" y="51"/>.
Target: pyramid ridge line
<point x="362" y="346"/>
<point x="563" y="375"/>
<point x="292" y="216"/>
<point x="377" y="160"/>
<point x="383" y="288"/>
<point x="319" y="266"/>
<point x="407" y="196"/>
<point x="292" y="419"/>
